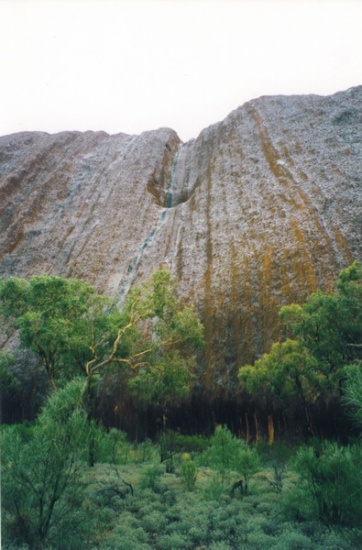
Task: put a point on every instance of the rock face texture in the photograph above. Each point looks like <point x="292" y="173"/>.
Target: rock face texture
<point x="258" y="211"/>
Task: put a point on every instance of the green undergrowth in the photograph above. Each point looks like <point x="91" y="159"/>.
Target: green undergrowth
<point x="132" y="500"/>
<point x="165" y="514"/>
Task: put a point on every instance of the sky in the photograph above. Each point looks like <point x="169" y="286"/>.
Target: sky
<point x="135" y="65"/>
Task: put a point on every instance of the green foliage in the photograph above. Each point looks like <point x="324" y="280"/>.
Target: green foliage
<point x="312" y="368"/>
<point x="223" y="452"/>
<point x="41" y="473"/>
<point x="101" y="512"/>
<point x="227" y="453"/>
<point x="163" y="369"/>
<point x="170" y="542"/>
<point x="278" y="477"/>
<point x="189" y="474"/>
<point x="10" y="386"/>
<point x="72" y="329"/>
<point x="214" y="490"/>
<point x="247" y="464"/>
<point x="332" y="477"/>
<point x="146" y="451"/>
<point x="112" y="447"/>
<point x="150" y="477"/>
<point x="288" y="371"/>
<point x="60" y="320"/>
<point x="330" y="325"/>
<point x="51" y="500"/>
<point x="164" y="382"/>
<point x="174" y="442"/>
<point x="191" y="443"/>
<point x="294" y="540"/>
<point x="127" y="534"/>
<point x="353" y="392"/>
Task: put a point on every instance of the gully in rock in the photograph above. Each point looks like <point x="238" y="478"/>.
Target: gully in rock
<point x="147" y="242"/>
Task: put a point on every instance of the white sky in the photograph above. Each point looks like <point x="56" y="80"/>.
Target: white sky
<point x="133" y="65"/>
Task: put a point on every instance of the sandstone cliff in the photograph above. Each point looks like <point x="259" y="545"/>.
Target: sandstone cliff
<point x="258" y="211"/>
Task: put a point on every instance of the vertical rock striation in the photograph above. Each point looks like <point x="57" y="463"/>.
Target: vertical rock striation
<point x="258" y="211"/>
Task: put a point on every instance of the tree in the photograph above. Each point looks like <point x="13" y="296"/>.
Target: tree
<point x="73" y="329"/>
<point x="10" y="386"/>
<point x="42" y="467"/>
<point x="223" y="452"/>
<point x="60" y="320"/>
<point x="330" y="325"/>
<point x="228" y="453"/>
<point x="332" y="478"/>
<point x="288" y="373"/>
<point x="156" y="342"/>
<point x="353" y="392"/>
<point x="328" y="338"/>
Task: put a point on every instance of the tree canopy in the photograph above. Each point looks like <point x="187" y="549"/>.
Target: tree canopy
<point x="330" y="325"/>
<point x="328" y="339"/>
<point x="73" y="329"/>
<point x="58" y="319"/>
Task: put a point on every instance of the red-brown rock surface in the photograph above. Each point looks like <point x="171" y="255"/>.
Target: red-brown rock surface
<point x="258" y="211"/>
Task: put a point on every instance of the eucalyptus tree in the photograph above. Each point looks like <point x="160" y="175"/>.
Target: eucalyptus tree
<point x="74" y="330"/>
<point x="59" y="320"/>
<point x="329" y="325"/>
<point x="327" y="331"/>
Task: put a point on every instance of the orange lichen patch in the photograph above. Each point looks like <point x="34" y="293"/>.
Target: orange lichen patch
<point x="267" y="304"/>
<point x="266" y="266"/>
<point x="296" y="194"/>
<point x="311" y="277"/>
<point x="179" y="259"/>
<point x="298" y="232"/>
<point x="245" y="313"/>
<point x="343" y="246"/>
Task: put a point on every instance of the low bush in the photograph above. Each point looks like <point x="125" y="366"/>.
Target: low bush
<point x="159" y="514"/>
<point x="189" y="474"/>
<point x="150" y="477"/>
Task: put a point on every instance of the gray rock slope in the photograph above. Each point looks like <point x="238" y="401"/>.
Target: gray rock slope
<point x="258" y="211"/>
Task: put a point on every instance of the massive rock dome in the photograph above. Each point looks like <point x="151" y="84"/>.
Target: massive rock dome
<point x="258" y="211"/>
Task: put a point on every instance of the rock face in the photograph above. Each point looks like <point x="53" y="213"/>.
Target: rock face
<point x="258" y="211"/>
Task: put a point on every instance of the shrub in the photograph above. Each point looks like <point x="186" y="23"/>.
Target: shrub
<point x="112" y="447"/>
<point x="146" y="451"/>
<point x="220" y="546"/>
<point x="150" y="477"/>
<point x="127" y="538"/>
<point x="189" y="474"/>
<point x="173" y="542"/>
<point x="223" y="453"/>
<point x="332" y="477"/>
<point x="228" y="453"/>
<point x="214" y="488"/>
<point x="154" y="522"/>
<point x="298" y="504"/>
<point x="247" y="463"/>
<point x="292" y="540"/>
